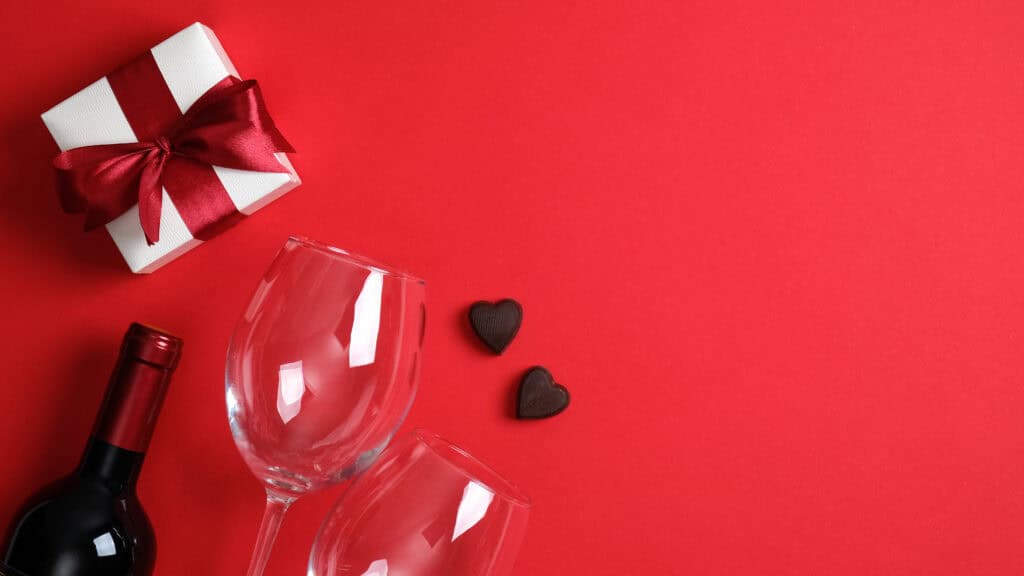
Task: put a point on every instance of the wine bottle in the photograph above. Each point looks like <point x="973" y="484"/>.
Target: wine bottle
<point x="91" y="523"/>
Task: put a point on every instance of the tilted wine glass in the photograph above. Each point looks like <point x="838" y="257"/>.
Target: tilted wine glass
<point x="425" y="508"/>
<point x="321" y="371"/>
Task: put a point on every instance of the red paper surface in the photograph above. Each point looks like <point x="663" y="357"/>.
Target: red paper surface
<point x="773" y="249"/>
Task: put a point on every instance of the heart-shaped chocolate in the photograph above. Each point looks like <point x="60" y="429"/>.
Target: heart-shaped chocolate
<point x="496" y="324"/>
<point x="540" y="396"/>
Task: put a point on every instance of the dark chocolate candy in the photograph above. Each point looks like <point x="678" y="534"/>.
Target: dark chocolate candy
<point x="540" y="396"/>
<point x="496" y="324"/>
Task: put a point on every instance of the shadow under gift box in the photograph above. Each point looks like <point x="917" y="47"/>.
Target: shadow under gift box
<point x="190" y="62"/>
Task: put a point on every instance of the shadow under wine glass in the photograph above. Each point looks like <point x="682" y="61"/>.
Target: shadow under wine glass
<point x="425" y="508"/>
<point x="321" y="370"/>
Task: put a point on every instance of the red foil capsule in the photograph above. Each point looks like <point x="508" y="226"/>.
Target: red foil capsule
<point x="137" y="387"/>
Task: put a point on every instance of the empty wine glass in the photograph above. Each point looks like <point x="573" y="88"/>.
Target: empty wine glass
<point x="426" y="508"/>
<point x="321" y="371"/>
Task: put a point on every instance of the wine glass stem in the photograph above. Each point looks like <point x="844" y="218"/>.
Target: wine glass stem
<point x="272" y="517"/>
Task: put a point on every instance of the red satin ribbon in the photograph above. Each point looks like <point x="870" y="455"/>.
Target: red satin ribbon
<point x="228" y="126"/>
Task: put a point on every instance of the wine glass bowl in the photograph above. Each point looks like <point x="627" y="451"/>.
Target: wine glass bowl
<point x="321" y="370"/>
<point x="425" y="508"/>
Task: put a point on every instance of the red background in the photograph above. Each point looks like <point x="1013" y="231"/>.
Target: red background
<point x="773" y="249"/>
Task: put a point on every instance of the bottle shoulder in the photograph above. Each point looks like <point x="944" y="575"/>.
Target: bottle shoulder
<point x="80" y="521"/>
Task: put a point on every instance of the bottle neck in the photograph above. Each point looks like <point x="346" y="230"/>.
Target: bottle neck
<point x="126" y="419"/>
<point x="114" y="467"/>
<point x="132" y="403"/>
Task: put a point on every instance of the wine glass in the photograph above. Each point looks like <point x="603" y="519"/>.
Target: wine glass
<point x="321" y="371"/>
<point x="426" y="508"/>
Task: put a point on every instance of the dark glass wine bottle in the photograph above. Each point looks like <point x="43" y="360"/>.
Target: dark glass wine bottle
<point x="91" y="523"/>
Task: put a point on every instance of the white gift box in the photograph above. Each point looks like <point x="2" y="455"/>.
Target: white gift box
<point x="191" y="62"/>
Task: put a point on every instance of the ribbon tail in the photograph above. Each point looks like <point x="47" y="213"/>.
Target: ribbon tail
<point x="151" y="196"/>
<point x="199" y="196"/>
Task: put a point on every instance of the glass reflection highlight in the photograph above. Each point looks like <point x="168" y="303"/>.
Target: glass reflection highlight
<point x="366" y="322"/>
<point x="290" y="387"/>
<point x="472" y="509"/>
<point x="377" y="568"/>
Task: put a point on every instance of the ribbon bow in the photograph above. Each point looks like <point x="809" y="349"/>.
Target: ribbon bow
<point x="228" y="126"/>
